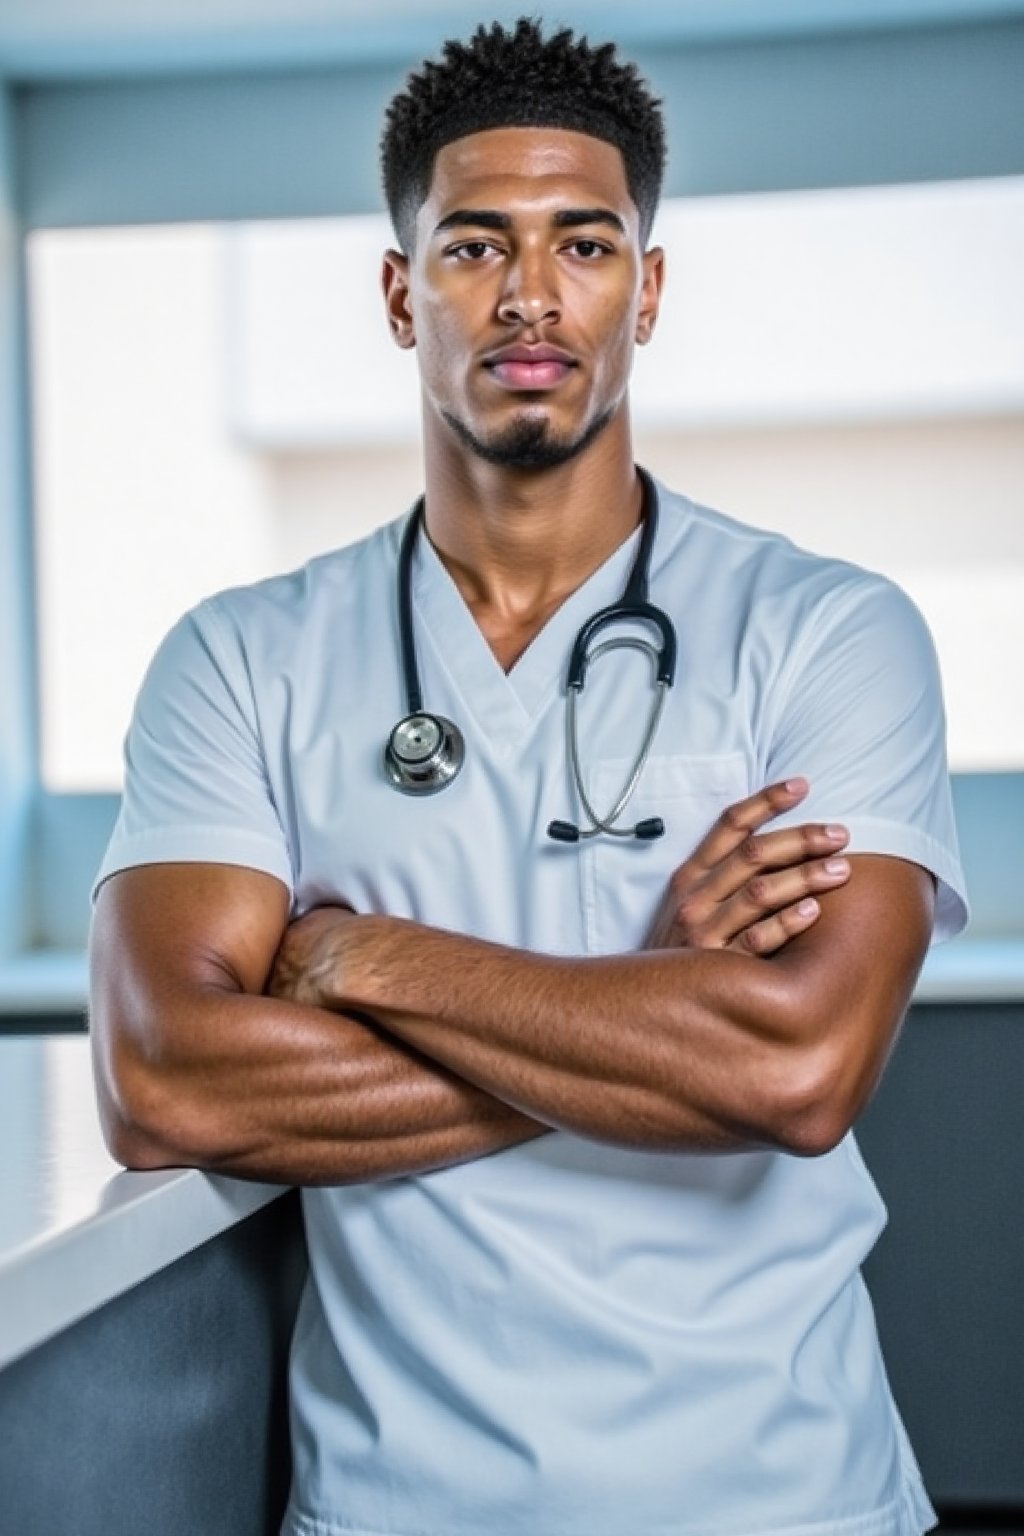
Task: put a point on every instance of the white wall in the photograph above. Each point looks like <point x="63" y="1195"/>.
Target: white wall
<point x="937" y="505"/>
<point x="144" y="502"/>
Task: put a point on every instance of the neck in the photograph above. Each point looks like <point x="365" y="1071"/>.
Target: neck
<point x="518" y="542"/>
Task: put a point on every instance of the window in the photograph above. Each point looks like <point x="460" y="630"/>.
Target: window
<point x="212" y="403"/>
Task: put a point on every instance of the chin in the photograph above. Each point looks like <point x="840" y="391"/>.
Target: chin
<point x="528" y="442"/>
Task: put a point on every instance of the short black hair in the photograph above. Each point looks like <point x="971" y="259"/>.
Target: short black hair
<point x="520" y="79"/>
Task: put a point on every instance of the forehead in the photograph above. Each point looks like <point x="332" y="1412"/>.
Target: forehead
<point x="502" y="166"/>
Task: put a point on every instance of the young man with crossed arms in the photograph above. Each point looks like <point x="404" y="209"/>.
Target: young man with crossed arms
<point x="584" y="1215"/>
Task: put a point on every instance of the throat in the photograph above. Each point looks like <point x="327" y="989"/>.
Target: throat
<point x="510" y="634"/>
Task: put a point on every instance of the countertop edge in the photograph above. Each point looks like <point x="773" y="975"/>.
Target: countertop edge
<point x="148" y="1221"/>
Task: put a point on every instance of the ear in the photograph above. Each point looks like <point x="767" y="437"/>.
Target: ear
<point x="394" y="281"/>
<point x="650" y="294"/>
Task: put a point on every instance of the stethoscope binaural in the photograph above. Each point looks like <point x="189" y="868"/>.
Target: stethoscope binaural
<point x="425" y="752"/>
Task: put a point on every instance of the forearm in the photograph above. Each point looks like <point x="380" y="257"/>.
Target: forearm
<point x="663" y="1049"/>
<point x="267" y="1089"/>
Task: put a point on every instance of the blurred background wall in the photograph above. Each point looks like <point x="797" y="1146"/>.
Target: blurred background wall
<point x="196" y="386"/>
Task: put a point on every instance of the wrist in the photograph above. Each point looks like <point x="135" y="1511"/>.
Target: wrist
<point x="363" y="952"/>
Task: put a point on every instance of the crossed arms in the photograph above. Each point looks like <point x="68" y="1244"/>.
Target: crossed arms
<point x="344" y="1048"/>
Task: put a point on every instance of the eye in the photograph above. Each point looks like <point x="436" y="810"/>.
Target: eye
<point x="588" y="249"/>
<point x="470" y="250"/>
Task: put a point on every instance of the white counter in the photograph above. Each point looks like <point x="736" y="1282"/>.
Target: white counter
<point x="76" y="1230"/>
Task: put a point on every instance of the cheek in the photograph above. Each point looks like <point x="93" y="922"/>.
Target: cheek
<point x="437" y="346"/>
<point x="609" y="319"/>
<point x="445" y="328"/>
<point x="615" y="350"/>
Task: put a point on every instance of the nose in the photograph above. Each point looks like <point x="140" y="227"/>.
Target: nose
<point x="530" y="296"/>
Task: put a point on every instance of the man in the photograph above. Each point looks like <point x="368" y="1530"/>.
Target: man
<point x="584" y="1216"/>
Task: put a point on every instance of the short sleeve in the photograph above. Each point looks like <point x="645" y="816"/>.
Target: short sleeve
<point x="196" y="787"/>
<point x="859" y="713"/>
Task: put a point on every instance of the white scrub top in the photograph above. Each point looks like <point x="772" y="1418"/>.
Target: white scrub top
<point x="566" y="1338"/>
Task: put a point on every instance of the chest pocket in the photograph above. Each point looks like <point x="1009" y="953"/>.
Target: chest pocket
<point x="623" y="880"/>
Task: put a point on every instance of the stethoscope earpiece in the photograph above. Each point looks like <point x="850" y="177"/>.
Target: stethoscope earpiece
<point x="563" y="832"/>
<point x="567" y="831"/>
<point x="649" y="829"/>
<point x="423" y="754"/>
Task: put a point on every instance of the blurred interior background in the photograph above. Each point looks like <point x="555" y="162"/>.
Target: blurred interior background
<point x="197" y="389"/>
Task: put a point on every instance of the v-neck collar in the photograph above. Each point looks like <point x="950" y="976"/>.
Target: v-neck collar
<point x="506" y="704"/>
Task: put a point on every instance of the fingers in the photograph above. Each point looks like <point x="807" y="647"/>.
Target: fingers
<point x="782" y="891"/>
<point x="749" y="889"/>
<point x="769" y="935"/>
<point x="735" y="850"/>
<point x="742" y="881"/>
<point x="749" y="867"/>
<point x="738" y="821"/>
<point x="787" y="894"/>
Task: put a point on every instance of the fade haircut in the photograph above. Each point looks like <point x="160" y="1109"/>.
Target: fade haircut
<point x="519" y="79"/>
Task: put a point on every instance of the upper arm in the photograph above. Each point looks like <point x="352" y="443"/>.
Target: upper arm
<point x="849" y="981"/>
<point x="165" y="937"/>
<point x="859" y="712"/>
<point x="185" y="925"/>
<point x="197" y="785"/>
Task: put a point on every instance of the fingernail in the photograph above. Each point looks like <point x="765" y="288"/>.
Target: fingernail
<point x="836" y="867"/>
<point x="807" y="907"/>
<point x="836" y="833"/>
<point x="795" y="785"/>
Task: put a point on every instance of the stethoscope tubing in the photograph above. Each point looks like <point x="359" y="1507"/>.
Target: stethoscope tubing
<point x="605" y="823"/>
<point x="406" y="638"/>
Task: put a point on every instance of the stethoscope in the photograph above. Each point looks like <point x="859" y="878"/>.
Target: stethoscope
<point x="425" y="752"/>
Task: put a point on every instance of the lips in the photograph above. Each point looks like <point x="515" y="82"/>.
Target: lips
<point x="529" y="368"/>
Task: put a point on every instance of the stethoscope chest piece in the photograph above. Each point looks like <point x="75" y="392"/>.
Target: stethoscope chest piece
<point x="423" y="753"/>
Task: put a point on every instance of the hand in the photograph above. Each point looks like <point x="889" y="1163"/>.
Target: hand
<point x="749" y="892"/>
<point x="306" y="966"/>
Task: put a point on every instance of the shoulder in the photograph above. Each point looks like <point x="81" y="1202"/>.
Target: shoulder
<point x="239" y="640"/>
<point x="777" y="584"/>
<point x="285" y="605"/>
<point x="274" y="627"/>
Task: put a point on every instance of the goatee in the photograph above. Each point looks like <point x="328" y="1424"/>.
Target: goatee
<point x="527" y="443"/>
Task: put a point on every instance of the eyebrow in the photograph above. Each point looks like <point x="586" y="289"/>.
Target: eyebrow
<point x="568" y="218"/>
<point x="491" y="218"/>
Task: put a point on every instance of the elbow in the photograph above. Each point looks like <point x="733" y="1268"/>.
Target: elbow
<point x="129" y="1144"/>
<point x="130" y="1114"/>
<point x="816" y="1134"/>
<point x="143" y="1114"/>
<point x="824" y="1074"/>
<point x="814" y="1108"/>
